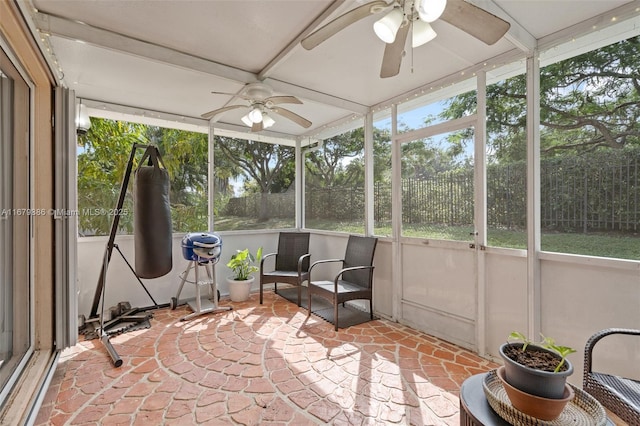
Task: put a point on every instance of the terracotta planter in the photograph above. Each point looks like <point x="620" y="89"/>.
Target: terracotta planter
<point x="535" y="406"/>
<point x="239" y="290"/>
<point x="541" y="383"/>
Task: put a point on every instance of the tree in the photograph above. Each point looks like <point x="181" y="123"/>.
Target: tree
<point x="421" y="159"/>
<point x="339" y="162"/>
<point x="382" y="155"/>
<point x="185" y="155"/>
<point x="271" y="167"/>
<point x="587" y="102"/>
<point x="326" y="167"/>
<point x="102" y="161"/>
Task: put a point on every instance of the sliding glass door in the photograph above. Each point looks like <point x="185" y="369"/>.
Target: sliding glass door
<point x="15" y="215"/>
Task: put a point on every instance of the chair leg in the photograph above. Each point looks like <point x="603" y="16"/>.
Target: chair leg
<point x="371" y="308"/>
<point x="261" y="292"/>
<point x="335" y="312"/>
<point x="309" y="304"/>
<point x="299" y="295"/>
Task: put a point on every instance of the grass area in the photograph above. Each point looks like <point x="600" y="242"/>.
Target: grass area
<point x="621" y="246"/>
<point x="233" y="223"/>
<point x="604" y="245"/>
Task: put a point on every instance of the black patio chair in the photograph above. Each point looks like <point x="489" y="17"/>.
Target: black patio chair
<point x="354" y="281"/>
<point x="619" y="394"/>
<point x="291" y="263"/>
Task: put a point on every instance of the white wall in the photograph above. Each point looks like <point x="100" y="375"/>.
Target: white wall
<point x="122" y="284"/>
<point x="582" y="295"/>
<point x="438" y="294"/>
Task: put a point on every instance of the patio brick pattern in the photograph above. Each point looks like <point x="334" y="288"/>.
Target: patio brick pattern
<point x="261" y="365"/>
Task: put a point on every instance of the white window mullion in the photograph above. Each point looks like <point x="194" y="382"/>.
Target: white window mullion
<point x="396" y="213"/>
<point x="368" y="175"/>
<point x="480" y="211"/>
<point x="533" y="195"/>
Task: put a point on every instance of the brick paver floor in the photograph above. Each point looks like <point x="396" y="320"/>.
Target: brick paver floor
<point x="261" y="365"/>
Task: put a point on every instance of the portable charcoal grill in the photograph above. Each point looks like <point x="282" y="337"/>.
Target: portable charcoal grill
<point x="202" y="250"/>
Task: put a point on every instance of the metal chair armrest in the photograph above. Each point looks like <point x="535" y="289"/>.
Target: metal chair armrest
<point x="319" y="262"/>
<point x="352" y="268"/>
<point x="342" y="271"/>
<point x="588" y="350"/>
<point x="301" y="261"/>
<point x="264" y="258"/>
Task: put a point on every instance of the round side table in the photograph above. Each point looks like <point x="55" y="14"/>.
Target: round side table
<point x="474" y="408"/>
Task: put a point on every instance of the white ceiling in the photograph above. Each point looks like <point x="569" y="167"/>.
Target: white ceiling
<point x="167" y="56"/>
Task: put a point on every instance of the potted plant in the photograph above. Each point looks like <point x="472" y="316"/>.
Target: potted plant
<point x="243" y="265"/>
<point x="538" y="373"/>
<point x="537" y="368"/>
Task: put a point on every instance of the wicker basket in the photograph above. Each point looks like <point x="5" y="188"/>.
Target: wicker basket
<point x="584" y="410"/>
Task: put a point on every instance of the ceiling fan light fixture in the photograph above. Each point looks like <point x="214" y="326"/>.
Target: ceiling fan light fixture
<point x="267" y="121"/>
<point x="430" y="10"/>
<point x="421" y="33"/>
<point x="247" y="121"/>
<point x="255" y="115"/>
<point x="387" y="27"/>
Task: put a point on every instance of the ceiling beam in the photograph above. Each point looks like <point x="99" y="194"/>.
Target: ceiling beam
<point x="149" y="117"/>
<point x="295" y="43"/>
<point x="517" y="34"/>
<point x="79" y="31"/>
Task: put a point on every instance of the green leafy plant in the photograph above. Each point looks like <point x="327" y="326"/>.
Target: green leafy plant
<point x="516" y="335"/>
<point x="563" y="351"/>
<point x="242" y="264"/>
<point x="547" y="342"/>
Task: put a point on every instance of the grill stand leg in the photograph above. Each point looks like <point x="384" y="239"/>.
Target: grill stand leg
<point x="197" y="305"/>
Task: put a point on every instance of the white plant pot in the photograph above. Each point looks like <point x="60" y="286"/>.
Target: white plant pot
<point x="239" y="290"/>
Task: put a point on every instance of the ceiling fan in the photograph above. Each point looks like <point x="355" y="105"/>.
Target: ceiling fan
<point x="401" y="16"/>
<point x="261" y="103"/>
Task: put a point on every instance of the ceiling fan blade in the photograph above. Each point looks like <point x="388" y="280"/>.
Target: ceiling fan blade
<point x="341" y="22"/>
<point x="393" y="52"/>
<point x="236" y="95"/>
<point x="277" y="100"/>
<point x="209" y="115"/>
<point x="292" y="116"/>
<point x="257" y="127"/>
<point x="224" y="93"/>
<point x="475" y="21"/>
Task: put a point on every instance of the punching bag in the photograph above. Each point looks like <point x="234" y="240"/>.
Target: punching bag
<point x="152" y="217"/>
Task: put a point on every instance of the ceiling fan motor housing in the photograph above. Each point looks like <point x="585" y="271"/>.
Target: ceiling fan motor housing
<point x="258" y="91"/>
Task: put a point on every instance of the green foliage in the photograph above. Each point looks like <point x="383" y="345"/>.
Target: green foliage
<point x="102" y="162"/>
<point x="563" y="351"/>
<point x="186" y="156"/>
<point x="547" y="342"/>
<point x="267" y="168"/>
<point x="587" y="102"/>
<point x="381" y="155"/>
<point x="338" y="163"/>
<point x="516" y="335"/>
<point x="242" y="264"/>
<point x="102" y="159"/>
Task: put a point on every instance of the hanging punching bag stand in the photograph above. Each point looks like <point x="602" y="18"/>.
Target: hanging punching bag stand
<point x="129" y="319"/>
